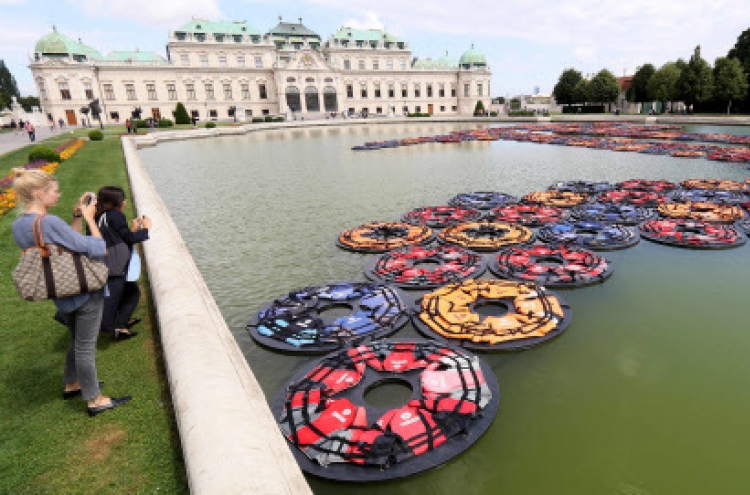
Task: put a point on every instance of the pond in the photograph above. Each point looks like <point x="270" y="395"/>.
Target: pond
<point x="645" y="393"/>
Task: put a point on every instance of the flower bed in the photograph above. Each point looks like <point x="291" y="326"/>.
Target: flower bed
<point x="8" y="199"/>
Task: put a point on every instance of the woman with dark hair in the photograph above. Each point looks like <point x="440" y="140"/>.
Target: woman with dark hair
<point x="123" y="295"/>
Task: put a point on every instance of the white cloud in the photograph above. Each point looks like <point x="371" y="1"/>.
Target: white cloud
<point x="158" y="13"/>
<point x="371" y="21"/>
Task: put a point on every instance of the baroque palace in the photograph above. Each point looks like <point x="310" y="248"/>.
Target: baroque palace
<point x="229" y="70"/>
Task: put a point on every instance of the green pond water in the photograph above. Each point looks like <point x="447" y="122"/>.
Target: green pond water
<point x="647" y="392"/>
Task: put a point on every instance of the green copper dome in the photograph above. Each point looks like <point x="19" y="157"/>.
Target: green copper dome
<point x="472" y="56"/>
<point x="447" y="62"/>
<point x="59" y="44"/>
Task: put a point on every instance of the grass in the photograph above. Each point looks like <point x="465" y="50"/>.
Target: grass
<point x="50" y="445"/>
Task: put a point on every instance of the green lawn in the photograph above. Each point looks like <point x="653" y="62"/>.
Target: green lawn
<point x="49" y="445"/>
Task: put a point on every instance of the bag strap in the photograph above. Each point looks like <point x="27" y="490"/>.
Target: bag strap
<point x="36" y="231"/>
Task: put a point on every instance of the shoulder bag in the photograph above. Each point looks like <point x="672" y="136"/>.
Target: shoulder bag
<point x="49" y="271"/>
<point x="118" y="253"/>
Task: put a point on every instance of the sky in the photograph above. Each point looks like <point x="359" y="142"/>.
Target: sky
<point x="527" y="44"/>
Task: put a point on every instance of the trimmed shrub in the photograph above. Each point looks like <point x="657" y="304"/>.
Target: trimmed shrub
<point x="583" y="109"/>
<point x="493" y="114"/>
<point x="279" y="119"/>
<point x="44" y="153"/>
<point x="141" y="124"/>
<point x="522" y="113"/>
<point x="180" y="114"/>
<point x="96" y="135"/>
<point x="418" y="114"/>
<point x="210" y="125"/>
<point x="258" y="119"/>
<point x="165" y="123"/>
<point x="268" y="118"/>
<point x="479" y="108"/>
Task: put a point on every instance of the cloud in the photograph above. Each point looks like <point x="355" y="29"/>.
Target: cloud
<point x="158" y="13"/>
<point x="371" y="21"/>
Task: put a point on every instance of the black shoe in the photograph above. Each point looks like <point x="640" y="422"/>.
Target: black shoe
<point x="133" y="323"/>
<point x="116" y="402"/>
<point x="71" y="394"/>
<point x="120" y="335"/>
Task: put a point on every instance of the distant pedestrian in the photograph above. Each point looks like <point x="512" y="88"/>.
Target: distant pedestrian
<point x="31" y="130"/>
<point x="62" y="124"/>
<point x="21" y="128"/>
<point x="127" y="125"/>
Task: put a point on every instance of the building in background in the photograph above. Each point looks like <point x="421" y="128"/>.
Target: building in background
<point x="228" y="70"/>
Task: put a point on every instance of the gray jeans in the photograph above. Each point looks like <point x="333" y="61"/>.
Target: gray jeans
<point x="80" y="362"/>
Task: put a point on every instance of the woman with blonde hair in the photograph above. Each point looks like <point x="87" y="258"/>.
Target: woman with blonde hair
<point x="38" y="191"/>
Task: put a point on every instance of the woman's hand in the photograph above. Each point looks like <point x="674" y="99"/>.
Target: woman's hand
<point x="77" y="209"/>
<point x="145" y="222"/>
<point x="89" y="210"/>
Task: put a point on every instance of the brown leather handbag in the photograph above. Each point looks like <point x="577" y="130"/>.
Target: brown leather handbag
<point x="49" y="271"/>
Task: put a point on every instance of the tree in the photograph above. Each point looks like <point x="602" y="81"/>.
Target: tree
<point x="479" y="108"/>
<point x="741" y="51"/>
<point x="696" y="80"/>
<point x="581" y="92"/>
<point x="29" y="101"/>
<point x="664" y="84"/>
<point x="730" y="81"/>
<point x="563" y="90"/>
<point x="604" y="87"/>
<point x="8" y="86"/>
<point x="180" y="114"/>
<point x="515" y="104"/>
<point x="638" y="91"/>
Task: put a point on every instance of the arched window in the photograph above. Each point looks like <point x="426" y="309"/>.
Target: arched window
<point x="312" y="100"/>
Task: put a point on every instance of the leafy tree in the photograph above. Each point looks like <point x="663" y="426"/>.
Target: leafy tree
<point x="515" y="104"/>
<point x="29" y="101"/>
<point x="8" y="86"/>
<point x="565" y="86"/>
<point x="603" y="88"/>
<point x="581" y="92"/>
<point x="664" y="84"/>
<point x="180" y="114"/>
<point x="741" y="51"/>
<point x="696" y="80"/>
<point x="479" y="108"/>
<point x="730" y="81"/>
<point x="638" y="92"/>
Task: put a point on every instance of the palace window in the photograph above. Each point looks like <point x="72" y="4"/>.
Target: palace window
<point x="466" y="90"/>
<point x="227" y="91"/>
<point x="213" y="114"/>
<point x="404" y="91"/>
<point x="219" y="38"/>
<point x="262" y="91"/>
<point x="377" y="91"/>
<point x="441" y="91"/>
<point x="185" y="60"/>
<point x="222" y="60"/>
<point x="240" y="61"/>
<point x="442" y="109"/>
<point x="130" y="92"/>
<point x="418" y="109"/>
<point x="361" y="65"/>
<point x="417" y="91"/>
<point x="190" y="89"/>
<point x="349" y="91"/>
<point x="480" y="88"/>
<point x="389" y="64"/>
<point x="151" y="90"/>
<point x="64" y="91"/>
<point x="210" y="91"/>
<point x="204" y="60"/>
<point x="237" y="38"/>
<point x="200" y="37"/>
<point x="347" y="64"/>
<point x="248" y="112"/>
<point x="245" y="89"/>
<point x="88" y="90"/>
<point x="453" y="91"/>
<point x="403" y="64"/>
<point x="375" y="65"/>
<point x="363" y="91"/>
<point x="42" y="90"/>
<point x="258" y="62"/>
<point x="391" y="91"/>
<point x="109" y="92"/>
<point x="379" y="110"/>
<point x="406" y="110"/>
<point x="429" y="91"/>
<point x="454" y="108"/>
<point x="172" y="91"/>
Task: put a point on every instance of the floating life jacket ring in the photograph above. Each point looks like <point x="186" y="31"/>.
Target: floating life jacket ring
<point x="646" y="199"/>
<point x="718" y="196"/>
<point x="559" y="266"/>
<point x="611" y="213"/>
<point x="726" y="185"/>
<point x="692" y="234"/>
<point x="485" y="236"/>
<point x="482" y="200"/>
<point x="419" y="267"/>
<point x="437" y="217"/>
<point x="528" y="215"/>
<point x="296" y="322"/>
<point x="560" y="199"/>
<point x="534" y="314"/>
<point x="582" y="186"/>
<point x="339" y="435"/>
<point x="590" y="235"/>
<point x="378" y="237"/>
<point x="657" y="186"/>
<point x="707" y="212"/>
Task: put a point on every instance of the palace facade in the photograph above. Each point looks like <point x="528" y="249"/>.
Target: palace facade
<point x="229" y="70"/>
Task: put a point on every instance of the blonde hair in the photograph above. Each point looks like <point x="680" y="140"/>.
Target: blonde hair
<point x="25" y="182"/>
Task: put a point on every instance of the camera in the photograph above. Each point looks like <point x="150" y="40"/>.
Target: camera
<point x="90" y="198"/>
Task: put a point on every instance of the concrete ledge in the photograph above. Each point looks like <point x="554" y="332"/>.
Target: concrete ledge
<point x="230" y="440"/>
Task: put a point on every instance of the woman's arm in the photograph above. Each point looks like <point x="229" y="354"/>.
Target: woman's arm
<point x="118" y="223"/>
